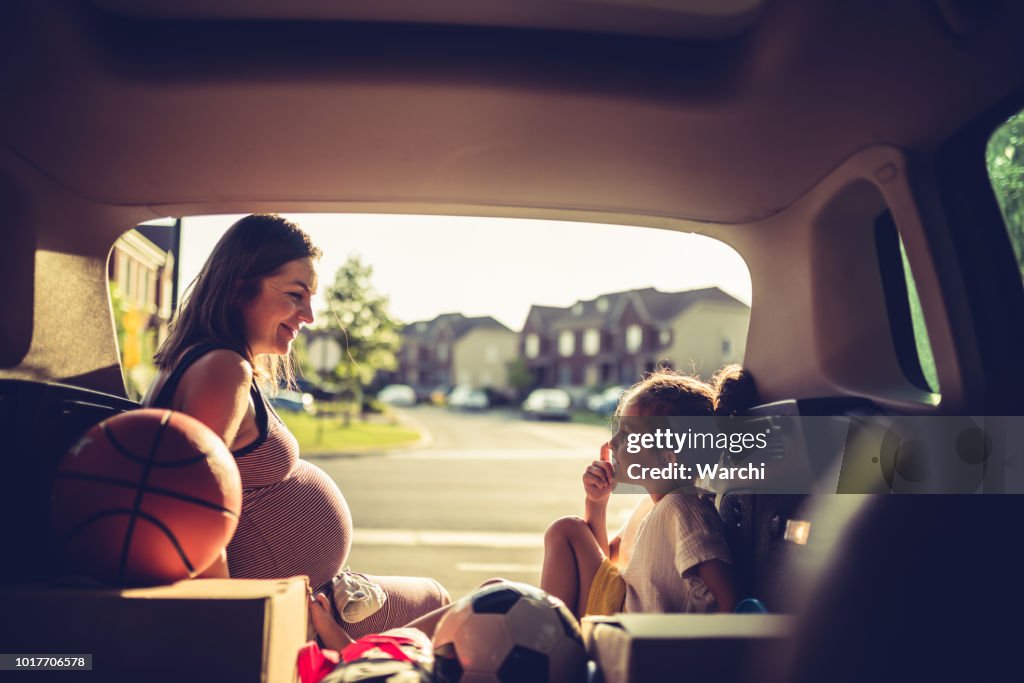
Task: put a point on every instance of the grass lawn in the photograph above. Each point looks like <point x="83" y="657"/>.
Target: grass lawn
<point x="330" y="435"/>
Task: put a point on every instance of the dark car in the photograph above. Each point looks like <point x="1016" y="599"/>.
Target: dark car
<point x="318" y="391"/>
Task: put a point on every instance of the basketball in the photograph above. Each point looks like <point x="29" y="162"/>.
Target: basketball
<point x="145" y="498"/>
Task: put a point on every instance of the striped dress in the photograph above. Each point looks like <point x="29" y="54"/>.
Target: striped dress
<point x="295" y="521"/>
<point x="294" y="518"/>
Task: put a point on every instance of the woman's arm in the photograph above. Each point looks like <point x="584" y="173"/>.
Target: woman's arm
<point x="215" y="391"/>
<point x="718" y="577"/>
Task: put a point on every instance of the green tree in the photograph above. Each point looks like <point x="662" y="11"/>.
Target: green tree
<point x="520" y="377"/>
<point x="368" y="335"/>
<point x="1005" y="159"/>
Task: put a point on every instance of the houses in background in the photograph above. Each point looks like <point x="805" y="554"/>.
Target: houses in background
<point x="616" y="338"/>
<point x="612" y="339"/>
<point x="453" y="349"/>
<point x="142" y="266"/>
<point x="143" y="272"/>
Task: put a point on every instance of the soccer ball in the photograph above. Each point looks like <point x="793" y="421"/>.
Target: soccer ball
<point x="506" y="633"/>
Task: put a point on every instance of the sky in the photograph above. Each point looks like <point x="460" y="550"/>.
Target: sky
<point x="428" y="265"/>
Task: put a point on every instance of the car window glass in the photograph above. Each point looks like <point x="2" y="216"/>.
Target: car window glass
<point x="921" y="341"/>
<point x="1004" y="157"/>
<point x="906" y="316"/>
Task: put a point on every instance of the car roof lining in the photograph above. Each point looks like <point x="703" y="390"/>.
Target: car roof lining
<point x="120" y="120"/>
<point x="694" y="19"/>
<point x="730" y="131"/>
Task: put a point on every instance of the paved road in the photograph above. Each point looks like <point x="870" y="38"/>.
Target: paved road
<point x="471" y="503"/>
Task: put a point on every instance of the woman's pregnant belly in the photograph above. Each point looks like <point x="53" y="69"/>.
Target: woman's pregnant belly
<point x="301" y="525"/>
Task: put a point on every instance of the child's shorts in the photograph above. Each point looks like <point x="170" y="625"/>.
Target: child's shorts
<point x="608" y="590"/>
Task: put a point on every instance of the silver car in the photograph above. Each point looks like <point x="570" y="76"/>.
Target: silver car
<point x="551" y="404"/>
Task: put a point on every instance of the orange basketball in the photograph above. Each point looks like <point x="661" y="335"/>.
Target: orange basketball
<point x="146" y="497"/>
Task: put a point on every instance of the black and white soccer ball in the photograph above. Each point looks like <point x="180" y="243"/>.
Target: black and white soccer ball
<point x="509" y="633"/>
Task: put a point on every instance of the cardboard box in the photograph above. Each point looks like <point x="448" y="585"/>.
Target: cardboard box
<point x="225" y="630"/>
<point x="648" y="648"/>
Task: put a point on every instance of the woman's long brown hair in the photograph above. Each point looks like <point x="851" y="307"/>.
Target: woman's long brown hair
<point x="253" y="248"/>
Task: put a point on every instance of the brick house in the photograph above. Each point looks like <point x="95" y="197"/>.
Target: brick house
<point x="454" y="349"/>
<point x="615" y="338"/>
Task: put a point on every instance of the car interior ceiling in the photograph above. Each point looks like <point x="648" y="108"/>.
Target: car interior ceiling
<point x="788" y="137"/>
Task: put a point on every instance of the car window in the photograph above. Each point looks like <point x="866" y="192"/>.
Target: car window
<point x="1004" y="157"/>
<point x="906" y="317"/>
<point x="480" y="308"/>
<point x="922" y="343"/>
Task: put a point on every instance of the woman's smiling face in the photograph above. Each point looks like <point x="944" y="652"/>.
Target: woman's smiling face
<point x="283" y="305"/>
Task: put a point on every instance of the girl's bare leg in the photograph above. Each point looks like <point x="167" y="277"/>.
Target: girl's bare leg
<point x="571" y="558"/>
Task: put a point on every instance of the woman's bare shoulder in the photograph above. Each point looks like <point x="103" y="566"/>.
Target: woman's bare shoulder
<point x="215" y="390"/>
<point x="221" y="366"/>
<point x="220" y="371"/>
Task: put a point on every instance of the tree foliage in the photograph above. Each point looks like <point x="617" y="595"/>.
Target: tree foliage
<point x="368" y="335"/>
<point x="520" y="377"/>
<point x="1005" y="159"/>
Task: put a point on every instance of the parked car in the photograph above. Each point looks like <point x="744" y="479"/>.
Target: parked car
<point x="422" y="392"/>
<point x="318" y="391"/>
<point x="549" y="404"/>
<point x="397" y="395"/>
<point x="464" y="397"/>
<point x="293" y="401"/>
<point x="604" y="402"/>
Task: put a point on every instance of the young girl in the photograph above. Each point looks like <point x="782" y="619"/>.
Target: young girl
<point x="672" y="555"/>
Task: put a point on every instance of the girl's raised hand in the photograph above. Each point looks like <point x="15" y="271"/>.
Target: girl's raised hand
<point x="599" y="477"/>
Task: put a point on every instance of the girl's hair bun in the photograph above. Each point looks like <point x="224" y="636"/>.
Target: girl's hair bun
<point x="735" y="390"/>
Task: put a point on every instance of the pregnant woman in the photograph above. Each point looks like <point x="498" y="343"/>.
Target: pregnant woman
<point x="228" y="348"/>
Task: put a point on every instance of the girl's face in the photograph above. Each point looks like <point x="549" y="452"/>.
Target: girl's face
<point x="620" y="431"/>
<point x="631" y="422"/>
<point x="628" y="424"/>
<point x="274" y="317"/>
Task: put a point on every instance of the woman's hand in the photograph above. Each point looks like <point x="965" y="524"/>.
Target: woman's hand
<point x="599" y="477"/>
<point x="331" y="633"/>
